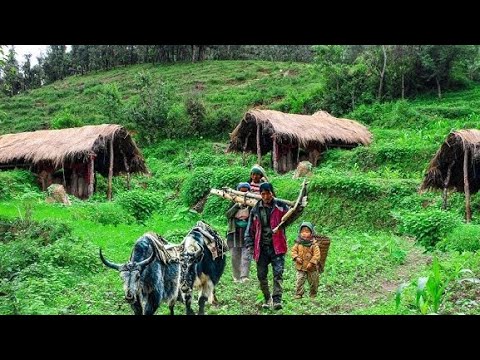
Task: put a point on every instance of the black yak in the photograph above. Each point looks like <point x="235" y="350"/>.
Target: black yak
<point x="202" y="264"/>
<point x="151" y="276"/>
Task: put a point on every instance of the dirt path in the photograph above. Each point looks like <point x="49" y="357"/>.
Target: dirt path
<point x="374" y="292"/>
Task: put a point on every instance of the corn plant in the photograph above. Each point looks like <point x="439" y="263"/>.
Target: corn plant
<point x="430" y="290"/>
<point x="398" y="295"/>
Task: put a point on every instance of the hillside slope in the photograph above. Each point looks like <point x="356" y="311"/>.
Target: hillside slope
<point x="228" y="89"/>
<point x="387" y="238"/>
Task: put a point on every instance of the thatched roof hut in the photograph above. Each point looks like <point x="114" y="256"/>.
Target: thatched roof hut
<point x="288" y="135"/>
<point x="79" y="152"/>
<point x="456" y="166"/>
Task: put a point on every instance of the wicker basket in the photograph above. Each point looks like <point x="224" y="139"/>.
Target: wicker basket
<point x="324" y="244"/>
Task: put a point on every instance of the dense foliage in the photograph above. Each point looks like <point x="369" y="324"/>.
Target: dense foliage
<point x="394" y="250"/>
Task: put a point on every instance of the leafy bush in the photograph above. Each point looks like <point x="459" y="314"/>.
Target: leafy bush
<point x="154" y="111"/>
<point x="40" y="264"/>
<point x="140" y="204"/>
<point x="109" y="213"/>
<point x="368" y="114"/>
<point x="15" y="183"/>
<point x="196" y="186"/>
<point x="166" y="150"/>
<point x="197" y="159"/>
<point x="363" y="156"/>
<point x="196" y="111"/>
<point x="216" y="207"/>
<point x="429" y="226"/>
<point x="23" y="242"/>
<point x="465" y="237"/>
<point x="229" y="177"/>
<point x="46" y="232"/>
<point x="354" y="187"/>
<point x="16" y="255"/>
<point x="72" y="252"/>
<point x="65" y="119"/>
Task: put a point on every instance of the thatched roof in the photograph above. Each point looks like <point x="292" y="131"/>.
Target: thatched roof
<point x="452" y="152"/>
<point x="74" y="144"/>
<point x="320" y="128"/>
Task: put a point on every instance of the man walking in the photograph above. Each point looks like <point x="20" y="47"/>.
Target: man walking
<point x="268" y="247"/>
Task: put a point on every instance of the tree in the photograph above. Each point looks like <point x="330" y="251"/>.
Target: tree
<point x="56" y="63"/>
<point x="27" y="73"/>
<point x="437" y="62"/>
<point x="12" y="79"/>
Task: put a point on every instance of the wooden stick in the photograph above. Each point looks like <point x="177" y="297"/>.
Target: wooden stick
<point x="466" y="186"/>
<point x="127" y="168"/>
<point x="445" y="185"/>
<point x="91" y="175"/>
<point x="236" y="198"/>
<point x="296" y="209"/>
<point x="110" y="171"/>
<point x="245" y="149"/>
<point x="274" y="154"/>
<point x="259" y="150"/>
<point x="254" y="196"/>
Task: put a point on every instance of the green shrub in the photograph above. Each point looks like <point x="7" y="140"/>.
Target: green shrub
<point x="65" y="119"/>
<point x="14" y="183"/>
<point x="196" y="112"/>
<point x="109" y="214"/>
<point x="204" y="159"/>
<point x="49" y="231"/>
<point x="196" y="186"/>
<point x="140" y="204"/>
<point x="352" y="186"/>
<point x="229" y="177"/>
<point x="216" y="207"/>
<point x="465" y="237"/>
<point x="72" y="252"/>
<point x="429" y="226"/>
<point x="23" y="241"/>
<point x="46" y="232"/>
<point x="173" y="181"/>
<point x="368" y="114"/>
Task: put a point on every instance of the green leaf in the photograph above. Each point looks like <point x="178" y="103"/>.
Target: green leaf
<point x="422" y="281"/>
<point x="398" y="294"/>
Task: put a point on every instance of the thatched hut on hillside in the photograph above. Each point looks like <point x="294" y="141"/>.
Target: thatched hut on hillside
<point x="72" y="156"/>
<point x="456" y="166"/>
<point x="293" y="138"/>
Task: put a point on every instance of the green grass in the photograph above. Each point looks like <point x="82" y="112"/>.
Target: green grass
<point x="229" y="88"/>
<point x="356" y="197"/>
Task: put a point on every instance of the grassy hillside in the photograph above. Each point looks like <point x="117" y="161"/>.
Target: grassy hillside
<point x="387" y="239"/>
<point x="228" y="89"/>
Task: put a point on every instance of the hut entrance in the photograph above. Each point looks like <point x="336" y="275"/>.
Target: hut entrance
<point x="284" y="157"/>
<point x="78" y="178"/>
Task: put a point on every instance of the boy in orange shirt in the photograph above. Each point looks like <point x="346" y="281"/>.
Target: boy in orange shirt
<point x="306" y="254"/>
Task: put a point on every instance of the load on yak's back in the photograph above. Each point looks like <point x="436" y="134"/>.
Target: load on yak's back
<point x="202" y="264"/>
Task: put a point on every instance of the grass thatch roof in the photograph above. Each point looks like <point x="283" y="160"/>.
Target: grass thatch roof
<point x="74" y="144"/>
<point x="320" y="128"/>
<point x="452" y="152"/>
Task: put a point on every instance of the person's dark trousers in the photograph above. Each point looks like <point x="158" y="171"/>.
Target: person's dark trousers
<point x="267" y="256"/>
